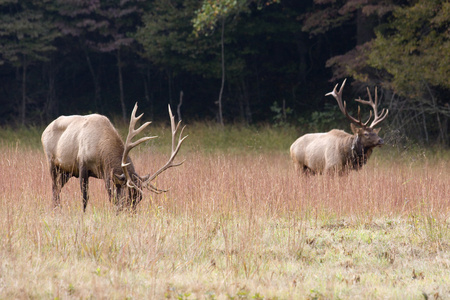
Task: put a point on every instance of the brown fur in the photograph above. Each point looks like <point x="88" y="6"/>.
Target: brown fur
<point x="87" y="146"/>
<point x="335" y="151"/>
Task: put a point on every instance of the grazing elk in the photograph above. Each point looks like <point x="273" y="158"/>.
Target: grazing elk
<point x="90" y="146"/>
<point x="336" y="150"/>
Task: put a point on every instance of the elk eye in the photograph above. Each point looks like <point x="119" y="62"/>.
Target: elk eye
<point x="366" y="134"/>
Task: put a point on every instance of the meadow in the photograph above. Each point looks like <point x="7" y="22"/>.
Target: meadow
<point x="237" y="223"/>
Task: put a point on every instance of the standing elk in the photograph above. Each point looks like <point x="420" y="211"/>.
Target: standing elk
<point x="337" y="151"/>
<point x="90" y="146"/>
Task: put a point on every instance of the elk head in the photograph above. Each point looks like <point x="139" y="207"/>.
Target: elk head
<point x="134" y="182"/>
<point x="366" y="136"/>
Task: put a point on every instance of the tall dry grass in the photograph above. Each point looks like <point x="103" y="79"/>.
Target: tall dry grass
<point x="233" y="225"/>
<point x="267" y="185"/>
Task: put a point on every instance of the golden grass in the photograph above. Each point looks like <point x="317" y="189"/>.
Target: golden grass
<point x="232" y="226"/>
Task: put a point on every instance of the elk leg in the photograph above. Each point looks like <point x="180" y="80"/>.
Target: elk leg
<point x="59" y="179"/>
<point x="108" y="187"/>
<point x="84" y="185"/>
<point x="307" y="171"/>
<point x="299" y="168"/>
<point x="120" y="201"/>
<point x="56" y="186"/>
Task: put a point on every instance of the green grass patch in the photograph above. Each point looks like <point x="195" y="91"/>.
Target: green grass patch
<point x="21" y="136"/>
<point x="204" y="137"/>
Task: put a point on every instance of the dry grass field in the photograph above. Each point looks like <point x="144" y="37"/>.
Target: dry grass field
<point x="236" y="224"/>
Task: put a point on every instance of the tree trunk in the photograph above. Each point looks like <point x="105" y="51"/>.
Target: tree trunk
<point x="424" y="121"/>
<point x="97" y="97"/>
<point x="147" y="92"/>
<point x="51" y="105"/>
<point x="246" y="102"/>
<point x="169" y="76"/>
<point x="364" y="27"/>
<point x="122" y="100"/>
<point x="219" y="102"/>
<point x="241" y="107"/>
<point x="445" y="126"/>
<point x="441" y="137"/>
<point x="23" y="107"/>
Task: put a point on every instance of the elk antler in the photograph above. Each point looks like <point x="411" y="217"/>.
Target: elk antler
<point x="130" y="145"/>
<point x="377" y="118"/>
<point x="175" y="150"/>
<point x="343" y="106"/>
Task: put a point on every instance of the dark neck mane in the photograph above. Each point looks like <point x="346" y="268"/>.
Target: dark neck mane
<point x="359" y="154"/>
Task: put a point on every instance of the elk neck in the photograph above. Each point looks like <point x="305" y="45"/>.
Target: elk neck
<point x="359" y="154"/>
<point x="111" y="154"/>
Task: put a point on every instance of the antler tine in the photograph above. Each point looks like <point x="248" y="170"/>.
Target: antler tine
<point x="367" y="122"/>
<point x="338" y="95"/>
<point x="175" y="149"/>
<point x="133" y="132"/>
<point x="382" y="116"/>
<point x="343" y="105"/>
<point x="130" y="145"/>
<point x="154" y="189"/>
<point x="377" y="118"/>
<point x="172" y="127"/>
<point x="359" y="115"/>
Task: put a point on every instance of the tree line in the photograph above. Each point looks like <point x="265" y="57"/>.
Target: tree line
<point x="245" y="61"/>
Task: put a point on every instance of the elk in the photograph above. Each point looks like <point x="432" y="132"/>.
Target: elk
<point x="90" y="146"/>
<point x="337" y="151"/>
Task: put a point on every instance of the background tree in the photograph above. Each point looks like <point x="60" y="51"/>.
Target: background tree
<point x="27" y="37"/>
<point x="212" y="12"/>
<point x="78" y="22"/>
<point x="413" y="56"/>
<point x="102" y="26"/>
<point x="278" y="57"/>
<point x="404" y="56"/>
<point x="169" y="42"/>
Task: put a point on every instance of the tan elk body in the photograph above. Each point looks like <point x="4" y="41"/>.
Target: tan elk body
<point x="90" y="146"/>
<point x="337" y="151"/>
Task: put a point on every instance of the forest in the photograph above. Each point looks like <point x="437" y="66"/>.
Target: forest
<point x="244" y="62"/>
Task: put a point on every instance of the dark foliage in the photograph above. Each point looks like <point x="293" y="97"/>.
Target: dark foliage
<point x="76" y="57"/>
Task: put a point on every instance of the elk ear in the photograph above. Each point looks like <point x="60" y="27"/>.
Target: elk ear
<point x="120" y="178"/>
<point x="355" y="129"/>
<point x="377" y="130"/>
